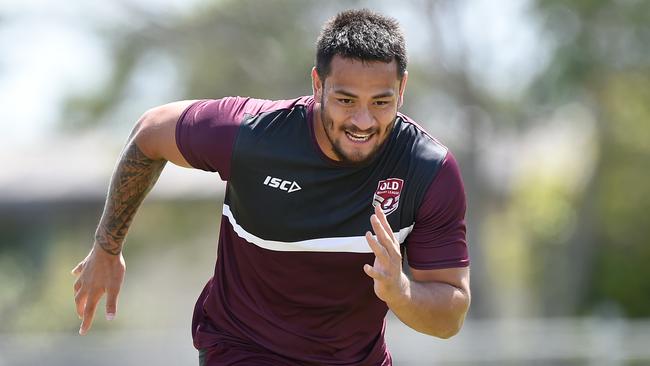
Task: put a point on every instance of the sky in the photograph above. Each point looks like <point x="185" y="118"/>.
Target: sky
<point x="46" y="48"/>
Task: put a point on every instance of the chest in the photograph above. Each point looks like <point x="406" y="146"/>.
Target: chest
<point x="286" y="192"/>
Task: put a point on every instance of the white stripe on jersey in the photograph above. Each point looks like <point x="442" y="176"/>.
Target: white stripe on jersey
<point x="349" y="244"/>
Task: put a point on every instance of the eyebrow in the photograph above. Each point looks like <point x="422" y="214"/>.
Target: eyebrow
<point x="385" y="94"/>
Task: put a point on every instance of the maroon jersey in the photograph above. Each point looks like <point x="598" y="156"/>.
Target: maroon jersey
<point x="289" y="286"/>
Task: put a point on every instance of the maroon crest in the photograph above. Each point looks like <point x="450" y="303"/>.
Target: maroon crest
<point x="387" y="194"/>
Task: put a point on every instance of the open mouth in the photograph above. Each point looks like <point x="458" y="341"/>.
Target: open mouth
<point x="356" y="137"/>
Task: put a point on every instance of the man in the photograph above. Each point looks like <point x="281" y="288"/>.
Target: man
<point x="300" y="278"/>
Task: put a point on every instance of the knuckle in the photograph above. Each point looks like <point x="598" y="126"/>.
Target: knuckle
<point x="113" y="289"/>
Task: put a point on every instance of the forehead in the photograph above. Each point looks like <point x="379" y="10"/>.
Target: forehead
<point x="356" y="75"/>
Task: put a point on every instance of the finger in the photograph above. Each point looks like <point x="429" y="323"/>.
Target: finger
<point x="77" y="270"/>
<point x="372" y="272"/>
<point x="378" y="249"/>
<point x="77" y="285"/>
<point x="383" y="237"/>
<point x="89" y="311"/>
<point x="111" y="303"/>
<point x="380" y="232"/>
<point x="389" y="231"/>
<point x="384" y="221"/>
<point x="80" y="302"/>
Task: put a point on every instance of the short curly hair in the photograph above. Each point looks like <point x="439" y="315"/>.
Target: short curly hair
<point x="363" y="35"/>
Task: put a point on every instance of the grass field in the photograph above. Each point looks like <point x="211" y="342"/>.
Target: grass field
<point x="569" y="342"/>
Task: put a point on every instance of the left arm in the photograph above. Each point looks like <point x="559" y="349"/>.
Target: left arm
<point x="435" y="302"/>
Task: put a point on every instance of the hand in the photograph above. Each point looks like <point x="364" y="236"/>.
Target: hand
<point x="99" y="273"/>
<point x="390" y="283"/>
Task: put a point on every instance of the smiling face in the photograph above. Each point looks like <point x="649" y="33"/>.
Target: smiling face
<point x="356" y="106"/>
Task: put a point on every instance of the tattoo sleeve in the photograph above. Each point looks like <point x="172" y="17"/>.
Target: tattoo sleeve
<point x="132" y="179"/>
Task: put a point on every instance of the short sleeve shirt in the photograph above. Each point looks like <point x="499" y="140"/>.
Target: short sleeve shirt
<point x="289" y="281"/>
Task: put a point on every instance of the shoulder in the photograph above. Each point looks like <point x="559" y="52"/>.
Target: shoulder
<point x="252" y="106"/>
<point x="425" y="151"/>
<point x="235" y="108"/>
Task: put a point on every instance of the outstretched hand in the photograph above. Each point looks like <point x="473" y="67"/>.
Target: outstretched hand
<point x="98" y="274"/>
<point x="390" y="283"/>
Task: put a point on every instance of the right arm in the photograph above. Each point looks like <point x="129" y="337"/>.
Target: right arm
<point x="151" y="144"/>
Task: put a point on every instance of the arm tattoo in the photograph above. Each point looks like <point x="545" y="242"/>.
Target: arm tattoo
<point x="132" y="179"/>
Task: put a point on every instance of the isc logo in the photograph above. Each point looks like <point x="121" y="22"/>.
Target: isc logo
<point x="281" y="184"/>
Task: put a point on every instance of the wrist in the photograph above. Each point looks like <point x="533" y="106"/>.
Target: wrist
<point x="402" y="296"/>
<point x="105" y="245"/>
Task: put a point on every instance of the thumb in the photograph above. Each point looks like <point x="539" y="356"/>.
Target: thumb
<point x="371" y="271"/>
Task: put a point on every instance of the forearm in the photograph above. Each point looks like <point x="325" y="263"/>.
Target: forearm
<point x="132" y="179"/>
<point x="433" y="308"/>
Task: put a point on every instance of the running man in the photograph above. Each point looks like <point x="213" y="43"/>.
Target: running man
<point x="326" y="194"/>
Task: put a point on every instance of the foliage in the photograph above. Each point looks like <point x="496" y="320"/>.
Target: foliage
<point x="603" y="60"/>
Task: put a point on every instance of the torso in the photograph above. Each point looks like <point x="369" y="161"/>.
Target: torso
<point x="289" y="277"/>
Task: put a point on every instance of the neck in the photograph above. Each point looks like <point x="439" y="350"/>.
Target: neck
<point x="319" y="131"/>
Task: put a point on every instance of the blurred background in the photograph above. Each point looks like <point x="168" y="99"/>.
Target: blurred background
<point x="546" y="105"/>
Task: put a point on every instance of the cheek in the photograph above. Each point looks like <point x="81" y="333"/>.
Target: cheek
<point x="386" y="120"/>
<point x="336" y="116"/>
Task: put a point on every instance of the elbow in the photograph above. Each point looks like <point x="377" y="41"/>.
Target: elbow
<point x="142" y="131"/>
<point x="146" y="131"/>
<point x="453" y="321"/>
<point x="449" y="331"/>
<point x="442" y="331"/>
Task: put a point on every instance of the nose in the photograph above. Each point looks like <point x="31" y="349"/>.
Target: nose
<point x="363" y="120"/>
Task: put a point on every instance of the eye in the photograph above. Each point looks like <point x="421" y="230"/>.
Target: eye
<point x="381" y="103"/>
<point x="345" y="101"/>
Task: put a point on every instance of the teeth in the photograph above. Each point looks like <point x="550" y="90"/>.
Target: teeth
<point x="357" y="137"/>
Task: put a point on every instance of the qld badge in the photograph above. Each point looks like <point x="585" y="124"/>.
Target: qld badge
<point x="387" y="194"/>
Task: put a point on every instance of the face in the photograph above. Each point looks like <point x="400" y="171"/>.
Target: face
<point x="356" y="106"/>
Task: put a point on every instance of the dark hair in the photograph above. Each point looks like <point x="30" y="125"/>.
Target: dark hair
<point x="363" y="35"/>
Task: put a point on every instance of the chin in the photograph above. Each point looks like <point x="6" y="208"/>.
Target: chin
<point x="356" y="157"/>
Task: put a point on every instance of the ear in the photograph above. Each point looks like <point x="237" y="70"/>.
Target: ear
<point x="402" y="87"/>
<point x="316" y="84"/>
